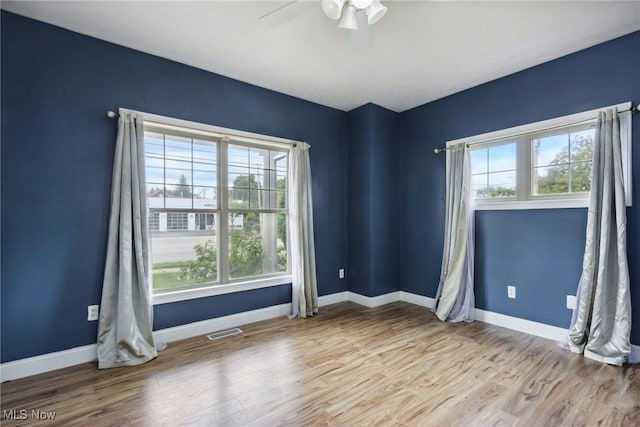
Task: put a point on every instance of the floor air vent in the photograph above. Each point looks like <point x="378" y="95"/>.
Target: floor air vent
<point x="222" y="334"/>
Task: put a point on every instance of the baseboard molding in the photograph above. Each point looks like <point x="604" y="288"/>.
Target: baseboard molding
<point x="47" y="362"/>
<point x="522" y="325"/>
<point x="88" y="353"/>
<point x="220" y="323"/>
<point x="530" y="327"/>
<point x="417" y="299"/>
<point x="325" y="300"/>
<point x="376" y="301"/>
<point x="514" y="323"/>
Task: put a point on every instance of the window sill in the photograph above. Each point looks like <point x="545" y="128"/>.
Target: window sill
<point x="531" y="204"/>
<point x="207" y="291"/>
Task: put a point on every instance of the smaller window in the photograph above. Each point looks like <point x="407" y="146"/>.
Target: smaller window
<point x="541" y="165"/>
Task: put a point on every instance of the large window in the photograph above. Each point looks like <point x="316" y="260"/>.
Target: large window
<point x="217" y="212"/>
<point x="541" y="165"/>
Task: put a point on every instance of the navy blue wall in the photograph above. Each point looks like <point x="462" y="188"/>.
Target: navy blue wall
<point x="373" y="201"/>
<point x="359" y="215"/>
<point x="383" y="221"/>
<point x="539" y="251"/>
<point x="57" y="152"/>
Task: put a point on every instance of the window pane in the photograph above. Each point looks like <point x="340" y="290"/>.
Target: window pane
<point x="184" y="249"/>
<point x="204" y="177"/>
<point x="155" y="195"/>
<point x="155" y="175"/>
<point x="204" y="197"/>
<point x="153" y="143"/>
<point x="257" y="199"/>
<point x="567" y="158"/>
<point x="551" y="179"/>
<point x="238" y="198"/>
<point x="479" y="161"/>
<point x="178" y="196"/>
<point x="152" y="161"/>
<point x="257" y="244"/>
<point x="178" y="176"/>
<point x="479" y="186"/>
<point x="205" y="152"/>
<point x="582" y="145"/>
<point x="238" y="156"/>
<point x="177" y="148"/>
<point x="256" y="181"/>
<point x="281" y="161"/>
<point x="244" y="193"/>
<point x="502" y="157"/>
<point x="254" y="176"/>
<point x="581" y="177"/>
<point x="552" y="150"/>
<point x="281" y="200"/>
<point x="502" y="184"/>
<point x="258" y="158"/>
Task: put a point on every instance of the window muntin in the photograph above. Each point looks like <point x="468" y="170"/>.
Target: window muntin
<point x="561" y="162"/>
<point x="493" y="170"/>
<point x="181" y="171"/>
<point x="257" y="244"/>
<point x="257" y="178"/>
<point x="186" y="200"/>
<point x="546" y="165"/>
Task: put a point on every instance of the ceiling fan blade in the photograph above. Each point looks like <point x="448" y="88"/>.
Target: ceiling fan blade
<point x="287" y="12"/>
<point x="276" y="10"/>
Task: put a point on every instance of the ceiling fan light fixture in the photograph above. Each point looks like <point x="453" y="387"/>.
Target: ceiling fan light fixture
<point x="333" y="8"/>
<point x="349" y="21"/>
<point x="375" y="12"/>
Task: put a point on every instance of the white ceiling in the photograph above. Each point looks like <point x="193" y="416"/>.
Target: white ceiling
<point x="420" y="51"/>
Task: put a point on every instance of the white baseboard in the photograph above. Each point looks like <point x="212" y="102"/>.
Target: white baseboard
<point x="47" y="362"/>
<point x="325" y="300"/>
<point x="376" y="301"/>
<point x="417" y="299"/>
<point x="360" y="299"/>
<point x="220" y="323"/>
<point x="62" y="359"/>
<point x="88" y="353"/>
<point x="522" y="325"/>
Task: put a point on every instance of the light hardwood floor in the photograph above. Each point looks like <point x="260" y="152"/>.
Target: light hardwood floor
<point x="349" y="366"/>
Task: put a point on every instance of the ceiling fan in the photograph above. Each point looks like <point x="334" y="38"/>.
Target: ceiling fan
<point x="335" y="9"/>
<point x="372" y="8"/>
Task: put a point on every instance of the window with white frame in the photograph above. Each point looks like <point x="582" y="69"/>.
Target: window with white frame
<point x="541" y="165"/>
<point x="217" y="212"/>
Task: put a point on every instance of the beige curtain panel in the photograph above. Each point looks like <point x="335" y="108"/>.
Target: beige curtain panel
<point x="304" y="285"/>
<point x="601" y="324"/>
<point x="125" y="335"/>
<point x="455" y="299"/>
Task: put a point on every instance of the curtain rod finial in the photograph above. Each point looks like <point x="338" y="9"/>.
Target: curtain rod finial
<point x="111" y="114"/>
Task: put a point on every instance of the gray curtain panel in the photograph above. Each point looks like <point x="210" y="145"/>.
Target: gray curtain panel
<point x="455" y="299"/>
<point x="304" y="299"/>
<point x="601" y="322"/>
<point x="125" y="335"/>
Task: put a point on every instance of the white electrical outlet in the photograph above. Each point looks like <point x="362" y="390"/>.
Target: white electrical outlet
<point x="92" y="312"/>
<point x="511" y="291"/>
<point x="571" y="301"/>
<point x="341" y="273"/>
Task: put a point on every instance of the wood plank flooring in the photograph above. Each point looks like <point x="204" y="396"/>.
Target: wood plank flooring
<point x="349" y="366"/>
